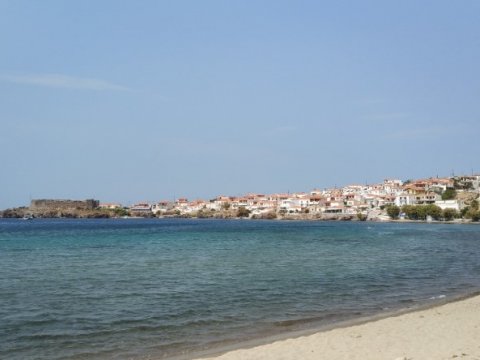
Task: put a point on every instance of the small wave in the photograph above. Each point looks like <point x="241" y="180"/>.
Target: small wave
<point x="438" y="297"/>
<point x="327" y="317"/>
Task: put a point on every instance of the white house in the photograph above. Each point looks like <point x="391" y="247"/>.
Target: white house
<point x="449" y="204"/>
<point x="404" y="199"/>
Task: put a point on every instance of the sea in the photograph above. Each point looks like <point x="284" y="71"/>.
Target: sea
<point x="161" y="288"/>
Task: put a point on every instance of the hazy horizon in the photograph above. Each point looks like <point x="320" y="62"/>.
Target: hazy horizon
<point x="154" y="100"/>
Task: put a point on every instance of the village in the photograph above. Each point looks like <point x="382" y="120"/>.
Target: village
<point x="448" y="194"/>
<point x="453" y="198"/>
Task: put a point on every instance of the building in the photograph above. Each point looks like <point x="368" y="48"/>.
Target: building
<point x="141" y="208"/>
<point x="449" y="204"/>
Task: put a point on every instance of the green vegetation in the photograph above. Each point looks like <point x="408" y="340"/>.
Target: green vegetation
<point x="420" y="212"/>
<point x="361" y="217"/>
<point x="226" y="206"/>
<point x="449" y="194"/>
<point x="243" y="212"/>
<point x="434" y="211"/>
<point x="474" y="205"/>
<point x="393" y="211"/>
<point x="472" y="211"/>
<point x="270" y="215"/>
<point x="120" y="212"/>
<point x="475" y="216"/>
<point x="201" y="214"/>
<point x="450" y="214"/>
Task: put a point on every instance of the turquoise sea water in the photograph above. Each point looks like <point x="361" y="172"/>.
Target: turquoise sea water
<point x="95" y="289"/>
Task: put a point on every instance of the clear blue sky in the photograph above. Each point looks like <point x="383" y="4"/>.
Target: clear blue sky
<point x="146" y="100"/>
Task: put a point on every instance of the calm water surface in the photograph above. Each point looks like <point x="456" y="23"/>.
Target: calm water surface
<point x="121" y="289"/>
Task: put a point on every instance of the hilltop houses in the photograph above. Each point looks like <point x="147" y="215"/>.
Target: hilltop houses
<point x="349" y="200"/>
<point x="457" y="194"/>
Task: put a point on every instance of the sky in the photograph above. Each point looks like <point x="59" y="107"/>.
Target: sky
<point x="131" y="101"/>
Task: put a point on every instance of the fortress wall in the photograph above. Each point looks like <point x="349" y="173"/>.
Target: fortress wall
<point x="51" y="204"/>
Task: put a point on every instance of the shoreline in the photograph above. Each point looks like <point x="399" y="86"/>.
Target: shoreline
<point x="405" y="221"/>
<point x="274" y="346"/>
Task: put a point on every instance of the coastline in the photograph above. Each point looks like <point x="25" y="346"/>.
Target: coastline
<point x="448" y="328"/>
<point x="287" y="219"/>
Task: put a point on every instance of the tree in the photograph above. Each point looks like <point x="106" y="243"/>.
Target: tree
<point x="473" y="214"/>
<point x="449" y="194"/>
<point x="201" y="214"/>
<point x="269" y="216"/>
<point x="393" y="211"/>
<point x="472" y="211"/>
<point x="410" y="211"/>
<point x="121" y="212"/>
<point x="450" y="214"/>
<point x="225" y="205"/>
<point x="421" y="212"/>
<point x="474" y="204"/>
<point x="476" y="216"/>
<point x="434" y="211"/>
<point x="361" y="217"/>
<point x="243" y="212"/>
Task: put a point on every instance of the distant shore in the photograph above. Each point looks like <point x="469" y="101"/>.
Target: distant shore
<point x="446" y="331"/>
<point x="339" y="218"/>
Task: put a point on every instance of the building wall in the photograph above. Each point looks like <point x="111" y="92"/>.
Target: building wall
<point x="448" y="204"/>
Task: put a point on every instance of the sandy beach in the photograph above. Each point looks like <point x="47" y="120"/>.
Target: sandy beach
<point x="448" y="331"/>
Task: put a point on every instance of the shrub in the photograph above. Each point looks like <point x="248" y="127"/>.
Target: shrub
<point x="420" y="212"/>
<point x="473" y="214"/>
<point x="226" y="206"/>
<point x="476" y="216"/>
<point x="393" y="211"/>
<point x="474" y="204"/>
<point x="270" y="215"/>
<point x="121" y="212"/>
<point x="449" y="194"/>
<point x="434" y="211"/>
<point x="450" y="214"/>
<point x="243" y="212"/>
<point x="410" y="212"/>
<point x="202" y="214"/>
<point x="361" y="217"/>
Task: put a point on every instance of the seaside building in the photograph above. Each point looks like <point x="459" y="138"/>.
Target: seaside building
<point x="141" y="208"/>
<point x="450" y="204"/>
<point x="162" y="207"/>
